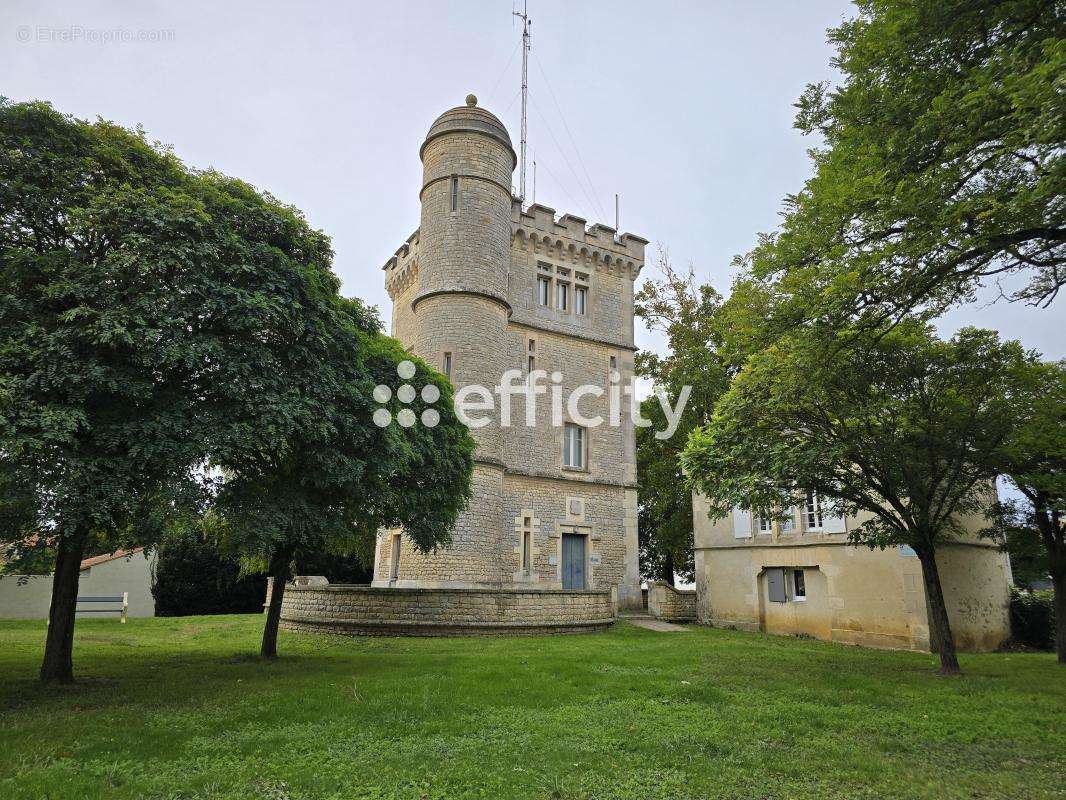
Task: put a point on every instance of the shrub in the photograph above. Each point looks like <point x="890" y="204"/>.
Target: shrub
<point x="192" y="576"/>
<point x="1032" y="619"/>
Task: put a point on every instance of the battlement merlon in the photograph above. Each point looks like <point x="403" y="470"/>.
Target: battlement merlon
<point x="601" y="241"/>
<point x="399" y="268"/>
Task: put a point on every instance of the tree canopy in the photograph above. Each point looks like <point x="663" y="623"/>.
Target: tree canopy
<point x="899" y="427"/>
<point x="689" y="316"/>
<point x="155" y="319"/>
<point x="941" y="164"/>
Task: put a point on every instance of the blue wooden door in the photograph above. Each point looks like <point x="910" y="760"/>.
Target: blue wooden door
<point x="573" y="561"/>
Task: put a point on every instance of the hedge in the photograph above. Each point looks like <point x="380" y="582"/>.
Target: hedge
<point x="1032" y="619"/>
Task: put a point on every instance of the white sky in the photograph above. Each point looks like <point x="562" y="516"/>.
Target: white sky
<point x="683" y="108"/>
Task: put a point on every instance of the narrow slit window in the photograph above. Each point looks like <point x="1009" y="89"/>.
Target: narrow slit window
<point x="527" y="549"/>
<point x="531" y="356"/>
<point x="394" y="566"/>
<point x="447" y="366"/>
<point x="562" y="296"/>
<point x="581" y="298"/>
<point x="455" y="192"/>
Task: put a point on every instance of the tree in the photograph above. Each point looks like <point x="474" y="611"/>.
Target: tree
<point x="688" y="315"/>
<point x="143" y="309"/>
<point x="942" y="164"/>
<point x="324" y="476"/>
<point x="1034" y="461"/>
<point x="899" y="426"/>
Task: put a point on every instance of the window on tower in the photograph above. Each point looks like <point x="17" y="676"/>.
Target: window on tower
<point x="455" y="192"/>
<point x="544" y="286"/>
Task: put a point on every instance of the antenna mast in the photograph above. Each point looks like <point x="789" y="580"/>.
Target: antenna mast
<point x="524" y="16"/>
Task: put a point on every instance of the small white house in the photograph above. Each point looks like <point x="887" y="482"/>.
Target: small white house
<point x="122" y="572"/>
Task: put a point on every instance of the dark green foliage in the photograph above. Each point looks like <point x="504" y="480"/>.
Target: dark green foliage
<point x="1032" y="619"/>
<point x="194" y="576"/>
<point x="336" y="568"/>
<point x="154" y="319"/>
<point x="896" y="425"/>
<point x="689" y="316"/>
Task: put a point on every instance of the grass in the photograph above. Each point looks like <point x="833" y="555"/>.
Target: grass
<point x="181" y="708"/>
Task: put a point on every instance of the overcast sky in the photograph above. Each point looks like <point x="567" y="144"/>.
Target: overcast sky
<point x="682" y="108"/>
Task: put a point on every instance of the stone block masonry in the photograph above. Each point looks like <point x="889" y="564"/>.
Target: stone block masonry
<point x="670" y="604"/>
<point x="467" y="292"/>
<point x="364" y="610"/>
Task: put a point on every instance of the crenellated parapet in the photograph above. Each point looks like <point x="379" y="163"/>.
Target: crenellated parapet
<point x="402" y="269"/>
<point x="570" y="239"/>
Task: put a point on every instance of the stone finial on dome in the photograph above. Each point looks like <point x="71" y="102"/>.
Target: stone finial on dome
<point x="471" y="100"/>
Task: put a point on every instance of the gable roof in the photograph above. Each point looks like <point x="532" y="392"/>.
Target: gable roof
<point x="92" y="562"/>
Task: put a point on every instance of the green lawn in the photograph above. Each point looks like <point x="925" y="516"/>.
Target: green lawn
<point x="179" y="708"/>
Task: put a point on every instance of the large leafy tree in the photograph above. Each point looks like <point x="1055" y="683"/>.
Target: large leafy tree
<point x="134" y="294"/>
<point x="689" y="316"/>
<point x="1034" y="461"/>
<point x="327" y="477"/>
<point x="942" y="164"/>
<point x="154" y="319"/>
<point x="898" y="426"/>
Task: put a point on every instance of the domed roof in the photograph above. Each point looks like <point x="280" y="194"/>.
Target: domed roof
<point x="473" y="119"/>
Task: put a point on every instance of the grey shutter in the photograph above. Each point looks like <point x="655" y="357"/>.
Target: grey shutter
<point x="775" y="584"/>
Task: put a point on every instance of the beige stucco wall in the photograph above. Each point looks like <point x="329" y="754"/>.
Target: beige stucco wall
<point x="853" y="594"/>
<point x="32" y="599"/>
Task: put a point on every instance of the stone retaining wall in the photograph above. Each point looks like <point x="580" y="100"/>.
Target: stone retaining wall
<point x="364" y="610"/>
<point x="670" y="604"/>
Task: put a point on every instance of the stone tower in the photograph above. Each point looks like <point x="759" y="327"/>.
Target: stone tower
<point x="469" y="290"/>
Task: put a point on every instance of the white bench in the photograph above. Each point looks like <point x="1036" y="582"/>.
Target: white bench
<point x="118" y="604"/>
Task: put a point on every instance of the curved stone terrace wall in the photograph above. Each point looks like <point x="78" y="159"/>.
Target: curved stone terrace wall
<point x="365" y="610"/>
<point x="670" y="604"/>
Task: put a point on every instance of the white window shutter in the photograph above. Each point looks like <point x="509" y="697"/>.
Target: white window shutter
<point x="741" y="523"/>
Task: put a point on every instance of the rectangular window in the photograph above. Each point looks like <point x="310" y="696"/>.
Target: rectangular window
<point x="788" y="524"/>
<point x="544" y="288"/>
<point x="581" y="296"/>
<point x="531" y="356"/>
<point x="447" y="366"/>
<point x="799" y="586"/>
<point x="562" y="296"/>
<point x="813" y="509"/>
<point x="766" y="525"/>
<point x="613" y="362"/>
<point x="455" y="193"/>
<point x="527" y="551"/>
<point x="573" y="446"/>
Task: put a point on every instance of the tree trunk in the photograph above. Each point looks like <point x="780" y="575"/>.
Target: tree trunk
<point x="940" y="635"/>
<point x="668" y="569"/>
<point x="279" y="571"/>
<point x="1058" y="582"/>
<point x="58" y="663"/>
